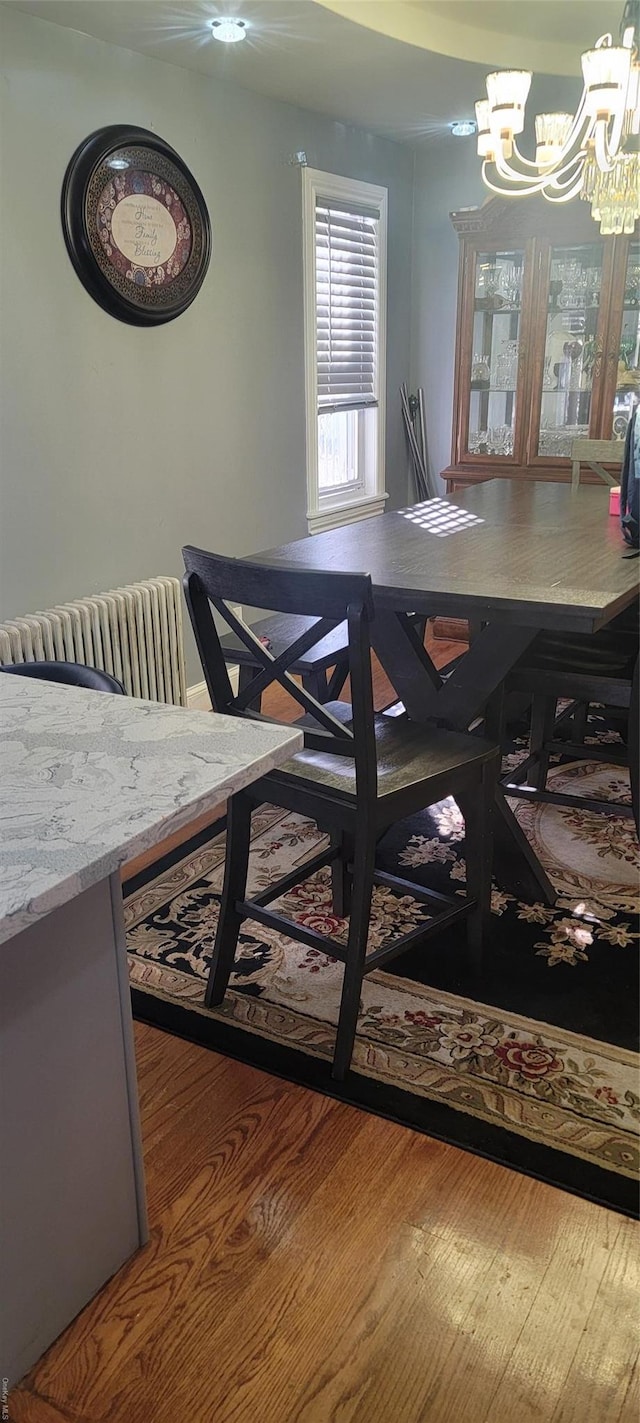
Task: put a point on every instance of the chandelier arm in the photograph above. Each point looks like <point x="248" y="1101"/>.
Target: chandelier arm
<point x="542" y="180"/>
<point x="566" y="159"/>
<point x="579" y="121"/>
<point x="526" y="162"/>
<point x="511" y="175"/>
<point x="607" y="146"/>
<point x="577" y="124"/>
<point x="525" y="191"/>
<point x="565" y="162"/>
<point x="570" y="173"/>
<point x="561" y="192"/>
<point x="557" y="198"/>
<point x="601" y="148"/>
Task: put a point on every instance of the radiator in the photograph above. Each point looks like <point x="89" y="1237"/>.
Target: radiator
<point x="135" y="633"/>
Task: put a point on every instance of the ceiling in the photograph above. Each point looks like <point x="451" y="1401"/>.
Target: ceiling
<point x="401" y="68"/>
<point x="545" y="35"/>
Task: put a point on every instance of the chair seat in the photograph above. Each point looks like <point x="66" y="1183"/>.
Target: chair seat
<point x="610" y="654"/>
<point x="408" y="755"/>
<point x="69" y="674"/>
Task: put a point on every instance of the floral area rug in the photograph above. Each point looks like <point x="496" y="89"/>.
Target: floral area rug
<point x="533" y="1063"/>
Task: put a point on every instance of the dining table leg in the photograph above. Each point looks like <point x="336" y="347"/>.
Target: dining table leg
<point x="456" y="702"/>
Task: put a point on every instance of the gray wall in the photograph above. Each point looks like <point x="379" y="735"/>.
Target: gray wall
<point x="448" y="177"/>
<point x="119" y="444"/>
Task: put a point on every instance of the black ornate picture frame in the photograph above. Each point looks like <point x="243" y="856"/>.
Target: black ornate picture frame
<point x="135" y="224"/>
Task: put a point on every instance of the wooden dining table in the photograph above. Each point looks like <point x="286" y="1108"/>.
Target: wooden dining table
<point x="515" y="559"/>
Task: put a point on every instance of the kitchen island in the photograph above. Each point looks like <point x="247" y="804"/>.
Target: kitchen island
<point x="87" y="781"/>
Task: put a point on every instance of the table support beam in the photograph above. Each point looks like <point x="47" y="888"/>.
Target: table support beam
<point x="474" y="685"/>
<point x="457" y="701"/>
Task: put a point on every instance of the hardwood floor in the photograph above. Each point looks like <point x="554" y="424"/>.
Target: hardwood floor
<point x="309" y="1263"/>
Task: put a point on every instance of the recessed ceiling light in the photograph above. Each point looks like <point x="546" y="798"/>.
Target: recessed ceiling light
<point x="463" y="128"/>
<point x="229" y="30"/>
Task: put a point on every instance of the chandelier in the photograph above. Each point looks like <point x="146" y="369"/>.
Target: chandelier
<point x="594" y="153"/>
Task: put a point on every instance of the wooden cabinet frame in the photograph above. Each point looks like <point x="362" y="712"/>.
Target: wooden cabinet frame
<point x="534" y="226"/>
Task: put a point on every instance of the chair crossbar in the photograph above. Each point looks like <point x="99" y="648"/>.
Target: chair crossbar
<point x="609" y="479"/>
<point x="323" y="741"/>
<point x="272" y="666"/>
<point x="274" y="670"/>
<point x="607" y="754"/>
<point x="303" y="872"/>
<point x="249" y="909"/>
<point x="421" y="932"/>
<point x="610" y="807"/>
<point x="430" y="896"/>
<point x="336" y="729"/>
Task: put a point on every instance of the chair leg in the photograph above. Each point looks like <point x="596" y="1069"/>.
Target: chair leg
<point x="337" y="680"/>
<point x="315" y="683"/>
<point x="495" y="717"/>
<point x="633" y="744"/>
<point x="579" y="726"/>
<point x="245" y="676"/>
<point x="341" y="876"/>
<point x="363" y="868"/>
<point x="234" y="889"/>
<point x="478" y="810"/>
<point x="543" y="711"/>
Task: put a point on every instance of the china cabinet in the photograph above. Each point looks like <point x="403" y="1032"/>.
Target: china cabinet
<point x="548" y="339"/>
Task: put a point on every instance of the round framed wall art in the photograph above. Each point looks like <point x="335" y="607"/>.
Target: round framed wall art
<point x="136" y="225"/>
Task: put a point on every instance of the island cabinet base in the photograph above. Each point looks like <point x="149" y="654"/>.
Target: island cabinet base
<point x="72" y="1185"/>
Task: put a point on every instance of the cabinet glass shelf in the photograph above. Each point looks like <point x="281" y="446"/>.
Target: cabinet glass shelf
<point x="493" y="389"/>
<point x="580" y="308"/>
<point x="488" y="310"/>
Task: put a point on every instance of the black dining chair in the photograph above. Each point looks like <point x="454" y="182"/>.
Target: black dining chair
<point x="71" y="674"/>
<point x="358" y="774"/>
<point x="582" y="670"/>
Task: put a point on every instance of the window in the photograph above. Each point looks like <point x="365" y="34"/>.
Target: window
<point x="345" y="230"/>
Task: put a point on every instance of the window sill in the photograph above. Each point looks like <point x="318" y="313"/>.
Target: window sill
<point x="334" y="515"/>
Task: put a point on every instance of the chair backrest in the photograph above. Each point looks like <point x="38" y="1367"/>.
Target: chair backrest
<point x="214" y="582"/>
<point x="595" y="453"/>
<point x="70" y="674"/>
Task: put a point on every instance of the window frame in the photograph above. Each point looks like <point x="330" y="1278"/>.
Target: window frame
<point x="335" y="507"/>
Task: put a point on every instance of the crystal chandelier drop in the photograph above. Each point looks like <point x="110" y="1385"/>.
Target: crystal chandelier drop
<point x="594" y="153"/>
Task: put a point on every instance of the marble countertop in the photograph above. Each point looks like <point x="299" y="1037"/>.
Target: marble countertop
<point x="89" y="780"/>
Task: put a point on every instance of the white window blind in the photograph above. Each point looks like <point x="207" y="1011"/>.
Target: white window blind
<point x="347" y="305"/>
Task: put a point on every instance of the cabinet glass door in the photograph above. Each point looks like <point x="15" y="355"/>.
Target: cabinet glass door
<point x="572" y="349"/>
<point x="497" y="301"/>
<point x="628" y="374"/>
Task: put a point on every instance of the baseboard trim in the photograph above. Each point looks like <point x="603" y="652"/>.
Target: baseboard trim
<point x="198" y="698"/>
